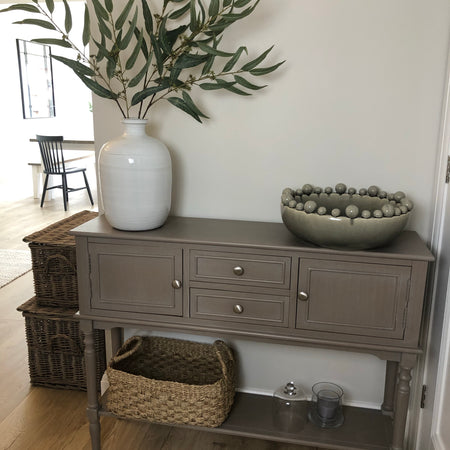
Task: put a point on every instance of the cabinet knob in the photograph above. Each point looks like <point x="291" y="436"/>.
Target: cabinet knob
<point x="238" y="270"/>
<point x="176" y="284"/>
<point x="238" y="309"/>
<point x="303" y="296"/>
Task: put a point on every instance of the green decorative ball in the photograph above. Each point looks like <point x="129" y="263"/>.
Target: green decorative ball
<point x="340" y="188"/>
<point x="336" y="212"/>
<point x="310" y="206"/>
<point x="321" y="210"/>
<point x="366" y="214"/>
<point x="373" y="191"/>
<point x="307" y="189"/>
<point x="388" y="210"/>
<point x="352" y="211"/>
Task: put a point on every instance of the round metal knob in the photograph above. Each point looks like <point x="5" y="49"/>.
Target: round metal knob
<point x="303" y="296"/>
<point x="176" y="284"/>
<point x="238" y="270"/>
<point x="238" y="309"/>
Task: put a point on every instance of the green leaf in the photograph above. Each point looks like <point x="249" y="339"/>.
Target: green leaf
<point x="217" y="85"/>
<point x="203" y="14"/>
<point x="104" y="28"/>
<point x="59" y="42"/>
<point x="213" y="8"/>
<point x="232" y="61"/>
<point x="142" y="95"/>
<point x="127" y="38"/>
<point x="144" y="47"/>
<point x="87" y="26"/>
<point x="132" y="59"/>
<point x="157" y="52"/>
<point x="147" y="17"/>
<point x="38" y="22"/>
<point x="111" y="67"/>
<point x="265" y="70"/>
<point x="109" y="5"/>
<point x="136" y="80"/>
<point x="218" y="27"/>
<point x="50" y="5"/>
<point x="162" y="36"/>
<point x="172" y="35"/>
<point x="68" y="17"/>
<point x="241" y="3"/>
<point x="96" y="88"/>
<point x="187" y="60"/>
<point x="193" y="25"/>
<point x="235" y="90"/>
<point x="247" y="84"/>
<point x="100" y="11"/>
<point x="76" y="66"/>
<point x="212" y="51"/>
<point x="208" y="65"/>
<point x="123" y="15"/>
<point x="180" y="12"/>
<point x="252" y="64"/>
<point x="191" y="104"/>
<point x="21" y="7"/>
<point x="227" y="3"/>
<point x="181" y="104"/>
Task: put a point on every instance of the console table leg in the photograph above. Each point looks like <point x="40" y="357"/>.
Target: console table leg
<point x="116" y="340"/>
<point x="91" y="382"/>
<point x="402" y="399"/>
<point x="387" y="408"/>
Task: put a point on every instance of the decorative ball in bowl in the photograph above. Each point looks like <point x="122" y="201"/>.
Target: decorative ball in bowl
<point x="344" y="218"/>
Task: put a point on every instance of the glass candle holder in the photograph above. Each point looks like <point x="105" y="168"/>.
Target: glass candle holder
<point x="326" y="405"/>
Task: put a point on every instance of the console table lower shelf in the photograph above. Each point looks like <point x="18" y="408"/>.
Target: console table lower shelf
<point x="251" y="416"/>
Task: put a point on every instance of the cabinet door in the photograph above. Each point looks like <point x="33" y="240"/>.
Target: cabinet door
<point x="136" y="278"/>
<point x="353" y="298"/>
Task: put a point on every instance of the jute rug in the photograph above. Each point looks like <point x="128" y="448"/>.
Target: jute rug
<point x="13" y="264"/>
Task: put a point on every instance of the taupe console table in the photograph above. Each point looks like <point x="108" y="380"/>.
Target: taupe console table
<point x="257" y="281"/>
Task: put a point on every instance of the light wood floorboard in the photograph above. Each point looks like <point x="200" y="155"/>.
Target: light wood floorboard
<point x="49" y="419"/>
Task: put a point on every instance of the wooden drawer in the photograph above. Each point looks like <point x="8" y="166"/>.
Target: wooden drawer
<point x="241" y="307"/>
<point x="136" y="278"/>
<point x="240" y="268"/>
<point x="353" y="298"/>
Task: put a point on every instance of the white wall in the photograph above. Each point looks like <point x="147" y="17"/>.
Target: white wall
<point x="358" y="101"/>
<point x="73" y="119"/>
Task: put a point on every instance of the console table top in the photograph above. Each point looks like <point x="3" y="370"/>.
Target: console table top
<point x="268" y="235"/>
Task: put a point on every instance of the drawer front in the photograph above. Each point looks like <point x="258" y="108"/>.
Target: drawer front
<point x="239" y="268"/>
<point x="239" y="307"/>
<point x="353" y="298"/>
<point x="136" y="278"/>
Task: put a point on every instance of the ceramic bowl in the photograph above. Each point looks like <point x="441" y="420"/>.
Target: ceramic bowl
<point x="343" y="218"/>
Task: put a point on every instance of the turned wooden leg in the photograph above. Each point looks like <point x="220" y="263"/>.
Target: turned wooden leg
<point x="91" y="380"/>
<point x="407" y="363"/>
<point x="387" y="408"/>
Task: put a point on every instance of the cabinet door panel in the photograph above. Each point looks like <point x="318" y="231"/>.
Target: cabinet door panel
<point x="138" y="279"/>
<point x="353" y="298"/>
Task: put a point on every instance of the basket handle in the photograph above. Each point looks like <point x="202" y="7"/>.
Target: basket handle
<point x="130" y="347"/>
<point x="61" y="257"/>
<point x="222" y="350"/>
<point x="75" y="348"/>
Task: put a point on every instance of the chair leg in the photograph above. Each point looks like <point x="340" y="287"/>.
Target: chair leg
<point x="64" y="191"/>
<point x="88" y="188"/>
<point x="44" y="190"/>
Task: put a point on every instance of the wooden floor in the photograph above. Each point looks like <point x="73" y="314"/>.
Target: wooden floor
<point x="49" y="419"/>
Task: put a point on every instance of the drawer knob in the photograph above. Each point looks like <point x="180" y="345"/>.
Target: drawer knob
<point x="176" y="284"/>
<point x="238" y="309"/>
<point x="238" y="270"/>
<point x="303" y="296"/>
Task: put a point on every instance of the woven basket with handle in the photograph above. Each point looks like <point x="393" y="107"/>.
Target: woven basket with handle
<point x="172" y="381"/>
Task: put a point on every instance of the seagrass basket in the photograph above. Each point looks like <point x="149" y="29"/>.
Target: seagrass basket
<point x="172" y="381"/>
<point x="56" y="347"/>
<point x="54" y="264"/>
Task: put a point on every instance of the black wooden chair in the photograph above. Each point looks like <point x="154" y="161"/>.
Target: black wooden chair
<point x="53" y="160"/>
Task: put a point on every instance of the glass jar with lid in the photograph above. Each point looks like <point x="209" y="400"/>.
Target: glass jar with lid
<point x="289" y="408"/>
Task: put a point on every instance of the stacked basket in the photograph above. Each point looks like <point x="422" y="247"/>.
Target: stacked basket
<point x="55" y="341"/>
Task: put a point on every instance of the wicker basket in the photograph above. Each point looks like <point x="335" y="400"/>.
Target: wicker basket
<point x="54" y="262"/>
<point x="172" y="381"/>
<point x="56" y="347"/>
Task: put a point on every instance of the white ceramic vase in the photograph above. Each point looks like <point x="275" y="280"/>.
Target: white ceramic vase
<point x="135" y="177"/>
